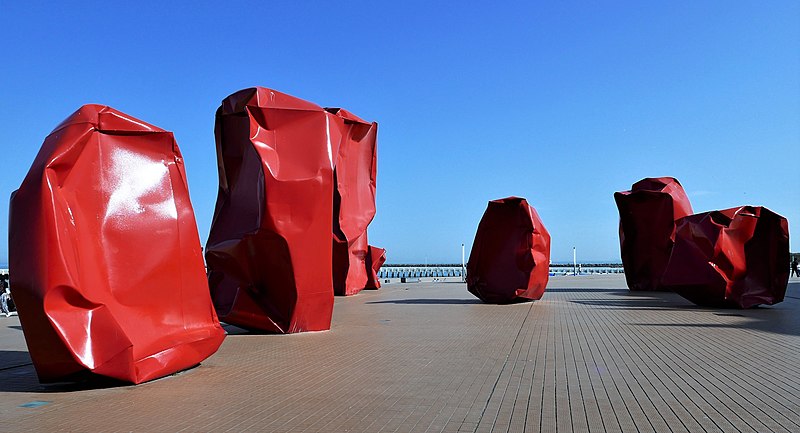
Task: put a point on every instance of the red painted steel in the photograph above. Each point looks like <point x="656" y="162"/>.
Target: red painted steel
<point x="269" y="251"/>
<point x="355" y="174"/>
<point x="647" y="215"/>
<point x="510" y="256"/>
<point x="107" y="269"/>
<point x="736" y="257"/>
<point x="376" y="257"/>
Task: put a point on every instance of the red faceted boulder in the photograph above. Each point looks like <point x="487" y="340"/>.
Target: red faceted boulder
<point x="736" y="258"/>
<point x="355" y="175"/>
<point x="647" y="215"/>
<point x="108" y="272"/>
<point x="269" y="251"/>
<point x="510" y="256"/>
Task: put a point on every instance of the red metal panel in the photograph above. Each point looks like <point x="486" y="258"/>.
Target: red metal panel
<point x="376" y="258"/>
<point x="107" y="269"/>
<point x="354" y="201"/>
<point x="510" y="256"/>
<point x="269" y="251"/>
<point x="736" y="257"/>
<point x="350" y="268"/>
<point x="647" y="215"/>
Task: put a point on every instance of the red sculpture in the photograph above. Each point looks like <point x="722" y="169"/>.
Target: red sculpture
<point x="108" y="270"/>
<point x="268" y="253"/>
<point x="376" y="257"/>
<point x="735" y="257"/>
<point x="510" y="256"/>
<point x="647" y="215"/>
<point x="354" y="200"/>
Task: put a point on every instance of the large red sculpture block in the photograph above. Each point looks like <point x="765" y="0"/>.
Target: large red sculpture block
<point x="108" y="271"/>
<point x="647" y="215"/>
<point x="269" y="251"/>
<point x="735" y="257"/>
<point x="510" y="256"/>
<point x="355" y="175"/>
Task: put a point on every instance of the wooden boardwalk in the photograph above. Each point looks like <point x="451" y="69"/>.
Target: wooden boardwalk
<point x="427" y="357"/>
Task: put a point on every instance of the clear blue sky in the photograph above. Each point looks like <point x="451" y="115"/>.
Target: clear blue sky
<point x="561" y="104"/>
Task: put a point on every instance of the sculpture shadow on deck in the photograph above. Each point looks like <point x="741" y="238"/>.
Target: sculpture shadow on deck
<point x="428" y="301"/>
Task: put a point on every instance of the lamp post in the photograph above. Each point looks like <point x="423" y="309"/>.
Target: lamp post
<point x="574" y="262"/>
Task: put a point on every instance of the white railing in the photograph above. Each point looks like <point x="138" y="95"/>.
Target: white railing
<point x="451" y="271"/>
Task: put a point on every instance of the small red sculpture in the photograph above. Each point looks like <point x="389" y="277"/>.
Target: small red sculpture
<point x="736" y="257"/>
<point x="354" y="200"/>
<point x="376" y="257"/>
<point x="647" y="215"/>
<point x="107" y="267"/>
<point x="510" y="256"/>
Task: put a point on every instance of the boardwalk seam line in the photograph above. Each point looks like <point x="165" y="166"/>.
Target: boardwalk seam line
<point x="505" y="363"/>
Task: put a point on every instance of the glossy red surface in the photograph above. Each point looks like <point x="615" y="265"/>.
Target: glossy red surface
<point x="510" y="256"/>
<point x="354" y="200"/>
<point x="376" y="258"/>
<point x="736" y="257"/>
<point x="107" y="269"/>
<point x="647" y="215"/>
<point x="269" y="251"/>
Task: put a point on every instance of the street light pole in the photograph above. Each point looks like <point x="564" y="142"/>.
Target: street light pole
<point x="574" y="262"/>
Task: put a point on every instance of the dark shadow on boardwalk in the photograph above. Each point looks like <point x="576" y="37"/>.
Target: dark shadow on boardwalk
<point x="781" y="318"/>
<point x="638" y="304"/>
<point x="771" y="326"/>
<point x="775" y="320"/>
<point x="583" y="290"/>
<point x="17" y="373"/>
<point x="424" y="301"/>
<point x="625" y="299"/>
<point x="13" y="358"/>
<point x="235" y="330"/>
<point x="21" y="377"/>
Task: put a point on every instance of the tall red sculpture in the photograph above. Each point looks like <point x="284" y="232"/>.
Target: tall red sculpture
<point x="736" y="257"/>
<point x="108" y="271"/>
<point x="510" y="256"/>
<point x="355" y="175"/>
<point x="647" y="215"/>
<point x="269" y="251"/>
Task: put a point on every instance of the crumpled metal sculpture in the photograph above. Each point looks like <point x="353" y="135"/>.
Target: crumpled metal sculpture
<point x="355" y="175"/>
<point x="108" y="269"/>
<point x="268" y="253"/>
<point x="647" y="215"/>
<point x="736" y="257"/>
<point x="376" y="257"/>
<point x="510" y="256"/>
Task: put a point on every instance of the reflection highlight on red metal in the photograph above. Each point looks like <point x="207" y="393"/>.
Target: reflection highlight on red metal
<point x="107" y="268"/>
<point x="510" y="256"/>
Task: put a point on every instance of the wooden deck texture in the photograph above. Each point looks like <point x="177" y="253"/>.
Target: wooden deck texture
<point x="428" y="357"/>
